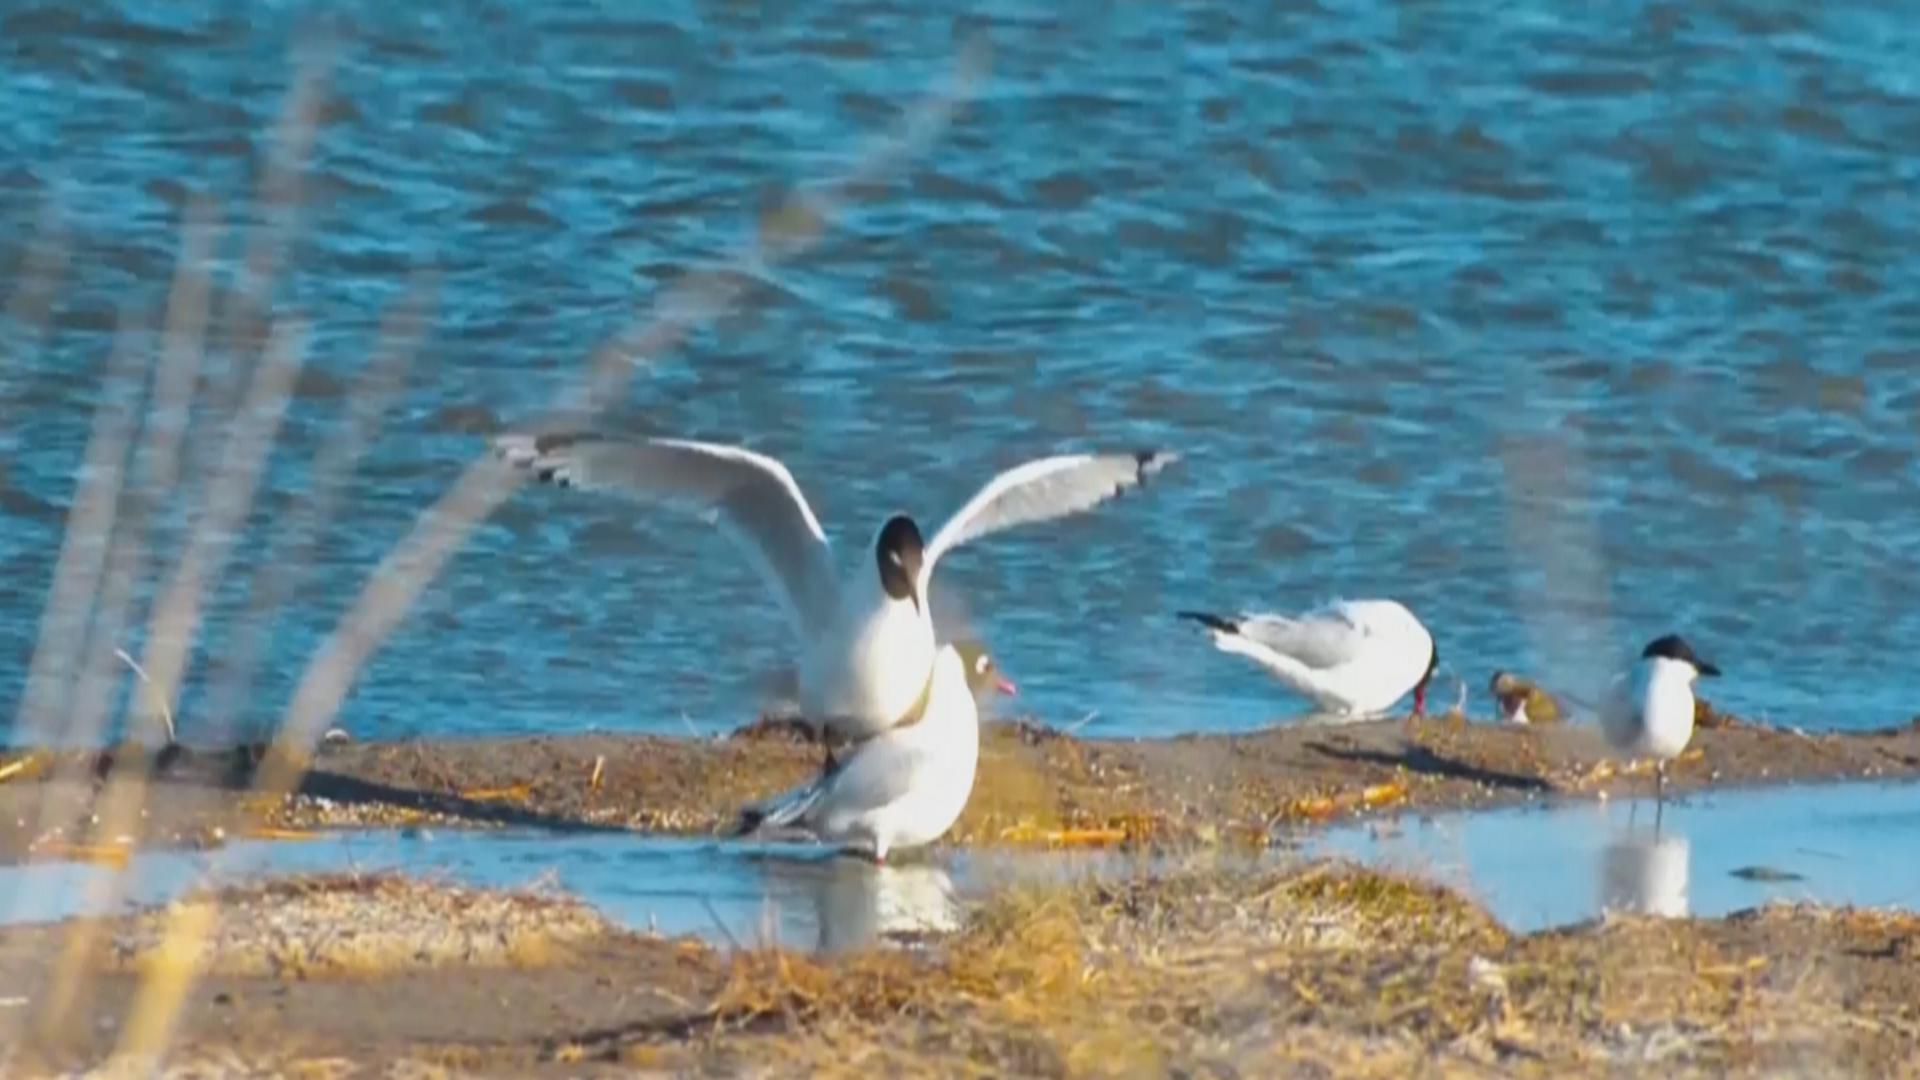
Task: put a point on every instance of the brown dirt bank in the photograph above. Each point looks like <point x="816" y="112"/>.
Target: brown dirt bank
<point x="1035" y="785"/>
<point x="1317" y="969"/>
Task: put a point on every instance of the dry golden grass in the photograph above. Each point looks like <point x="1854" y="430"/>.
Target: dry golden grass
<point x="1212" y="968"/>
<point x="1326" y="969"/>
<point x="1096" y="979"/>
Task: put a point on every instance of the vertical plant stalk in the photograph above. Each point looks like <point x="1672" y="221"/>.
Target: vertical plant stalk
<point x="155" y="1010"/>
<point x="174" y="621"/>
<point x="84" y="543"/>
<point x="396" y="584"/>
<point x="176" y="380"/>
<point x="1547" y="528"/>
<point x="277" y="199"/>
<point x="181" y="353"/>
<point x="171" y="404"/>
<point x="37" y="281"/>
<point x="279" y="575"/>
<point x="791" y="228"/>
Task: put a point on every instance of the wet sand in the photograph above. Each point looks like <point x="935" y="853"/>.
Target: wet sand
<point x="1036" y="786"/>
<point x="1316" y="969"/>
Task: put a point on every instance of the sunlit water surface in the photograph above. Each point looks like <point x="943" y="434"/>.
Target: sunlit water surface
<point x="1533" y="868"/>
<point x="1565" y="325"/>
<point x="1711" y="853"/>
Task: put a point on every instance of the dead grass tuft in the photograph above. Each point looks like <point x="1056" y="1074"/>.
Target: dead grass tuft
<point x="1326" y="968"/>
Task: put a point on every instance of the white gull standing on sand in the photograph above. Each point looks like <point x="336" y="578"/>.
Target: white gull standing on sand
<point x="904" y="787"/>
<point x="1353" y="658"/>
<point x="866" y="639"/>
<point x="1649" y="709"/>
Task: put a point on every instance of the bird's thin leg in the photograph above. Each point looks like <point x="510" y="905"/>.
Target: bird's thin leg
<point x="1633" y="803"/>
<point x="1659" y="795"/>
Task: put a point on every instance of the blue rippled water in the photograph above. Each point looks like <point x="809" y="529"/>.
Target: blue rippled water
<point x="1566" y="327"/>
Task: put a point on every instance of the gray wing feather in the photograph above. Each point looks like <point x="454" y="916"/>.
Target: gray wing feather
<point x="1041" y="490"/>
<point x="1324" y="639"/>
<point x="879" y="772"/>
<point x="751" y="497"/>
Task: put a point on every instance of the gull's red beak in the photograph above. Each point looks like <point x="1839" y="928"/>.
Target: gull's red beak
<point x="1006" y="687"/>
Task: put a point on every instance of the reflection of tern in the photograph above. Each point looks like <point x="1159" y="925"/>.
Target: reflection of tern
<point x="856" y="903"/>
<point x="1647" y="875"/>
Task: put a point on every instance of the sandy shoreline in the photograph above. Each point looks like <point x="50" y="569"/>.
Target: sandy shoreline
<point x="1036" y="787"/>
<point x="1210" y="967"/>
<point x="1315" y="968"/>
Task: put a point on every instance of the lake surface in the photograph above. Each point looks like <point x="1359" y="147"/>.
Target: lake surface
<point x="1567" y="328"/>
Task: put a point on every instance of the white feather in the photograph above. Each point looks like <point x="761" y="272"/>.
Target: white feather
<point x="865" y="656"/>
<point x="1351" y="657"/>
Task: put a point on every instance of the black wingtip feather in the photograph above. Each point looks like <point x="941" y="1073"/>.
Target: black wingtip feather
<point x="1150" y="461"/>
<point x="1210" y="621"/>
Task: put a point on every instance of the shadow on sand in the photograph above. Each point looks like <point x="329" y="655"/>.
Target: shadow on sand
<point x="233" y="769"/>
<point x="1420" y="759"/>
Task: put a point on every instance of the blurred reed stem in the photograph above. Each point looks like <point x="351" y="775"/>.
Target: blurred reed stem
<point x="791" y="228"/>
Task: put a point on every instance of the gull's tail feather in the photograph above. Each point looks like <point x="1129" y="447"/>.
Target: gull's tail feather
<point x="1211" y="621"/>
<point x="780" y="811"/>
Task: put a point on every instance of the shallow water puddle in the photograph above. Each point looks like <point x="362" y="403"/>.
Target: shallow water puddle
<point x="730" y="893"/>
<point x="1534" y="867"/>
<point x="1714" y="853"/>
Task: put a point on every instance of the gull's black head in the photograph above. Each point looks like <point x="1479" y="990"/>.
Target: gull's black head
<point x="899" y="551"/>
<point x="1675" y="647"/>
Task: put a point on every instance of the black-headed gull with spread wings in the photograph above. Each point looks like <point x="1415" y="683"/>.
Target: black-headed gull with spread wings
<point x="866" y="638"/>
<point x="1352" y="658"/>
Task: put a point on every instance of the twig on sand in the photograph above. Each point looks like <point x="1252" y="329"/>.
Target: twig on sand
<point x="1091" y="716"/>
<point x="160" y="701"/>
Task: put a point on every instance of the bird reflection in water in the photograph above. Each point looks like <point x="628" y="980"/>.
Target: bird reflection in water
<point x="1645" y="874"/>
<point x="855" y="903"/>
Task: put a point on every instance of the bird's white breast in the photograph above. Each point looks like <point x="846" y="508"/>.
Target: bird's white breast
<point x="867" y="670"/>
<point x="949" y="738"/>
<point x="1654" y="717"/>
